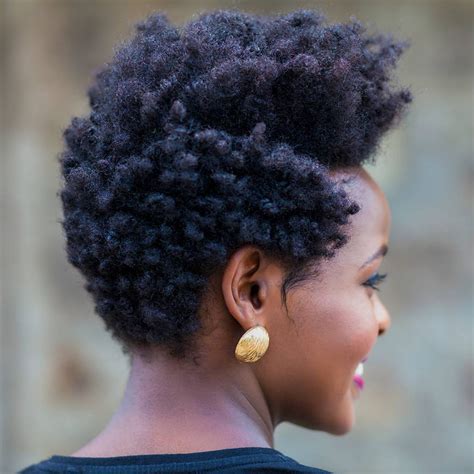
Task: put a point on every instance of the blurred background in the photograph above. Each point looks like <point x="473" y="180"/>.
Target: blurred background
<point x="62" y="375"/>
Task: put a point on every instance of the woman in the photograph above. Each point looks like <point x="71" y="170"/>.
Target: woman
<point x="216" y="204"/>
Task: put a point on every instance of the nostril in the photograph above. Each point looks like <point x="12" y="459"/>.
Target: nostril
<point x="381" y="331"/>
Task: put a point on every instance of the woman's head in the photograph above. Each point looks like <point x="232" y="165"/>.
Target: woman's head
<point x="227" y="155"/>
<point x="333" y="320"/>
<point x="330" y="324"/>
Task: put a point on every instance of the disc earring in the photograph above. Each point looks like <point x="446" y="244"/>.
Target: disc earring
<point x="253" y="344"/>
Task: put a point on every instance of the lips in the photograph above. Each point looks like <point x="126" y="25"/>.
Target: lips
<point x="359" y="381"/>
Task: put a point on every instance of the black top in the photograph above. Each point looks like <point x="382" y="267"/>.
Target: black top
<point x="229" y="461"/>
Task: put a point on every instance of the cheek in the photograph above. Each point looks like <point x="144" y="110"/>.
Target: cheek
<point x="319" y="353"/>
<point x="345" y="325"/>
<point x="336" y="334"/>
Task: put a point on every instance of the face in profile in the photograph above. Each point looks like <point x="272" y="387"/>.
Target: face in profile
<point x="337" y="320"/>
<point x="332" y="324"/>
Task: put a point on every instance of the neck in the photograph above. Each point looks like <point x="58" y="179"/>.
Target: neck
<point x="169" y="407"/>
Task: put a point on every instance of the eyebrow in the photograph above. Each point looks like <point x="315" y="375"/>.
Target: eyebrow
<point x="380" y="253"/>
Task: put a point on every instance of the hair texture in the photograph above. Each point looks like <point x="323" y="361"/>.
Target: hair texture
<point x="210" y="136"/>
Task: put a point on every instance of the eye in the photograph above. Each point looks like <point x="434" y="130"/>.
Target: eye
<point x="374" y="280"/>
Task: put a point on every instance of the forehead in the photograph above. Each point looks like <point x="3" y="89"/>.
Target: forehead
<point x="370" y="227"/>
<point x="374" y="215"/>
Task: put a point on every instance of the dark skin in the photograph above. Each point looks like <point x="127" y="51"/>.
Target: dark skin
<point x="305" y="377"/>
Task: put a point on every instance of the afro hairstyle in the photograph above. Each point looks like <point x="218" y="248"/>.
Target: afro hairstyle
<point x="214" y="135"/>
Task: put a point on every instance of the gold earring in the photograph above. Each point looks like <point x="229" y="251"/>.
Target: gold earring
<point x="253" y="344"/>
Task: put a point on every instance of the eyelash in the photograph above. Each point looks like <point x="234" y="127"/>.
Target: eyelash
<point x="377" y="278"/>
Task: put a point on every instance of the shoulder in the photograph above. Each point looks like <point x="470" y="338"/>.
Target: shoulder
<point x="226" y="461"/>
<point x="283" y="465"/>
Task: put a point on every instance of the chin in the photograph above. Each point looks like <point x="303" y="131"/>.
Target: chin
<point x="337" y="420"/>
<point x="340" y="429"/>
<point x="343" y="419"/>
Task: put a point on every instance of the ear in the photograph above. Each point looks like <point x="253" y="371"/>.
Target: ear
<point x="245" y="287"/>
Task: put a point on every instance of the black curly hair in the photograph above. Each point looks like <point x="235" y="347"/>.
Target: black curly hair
<point x="210" y="136"/>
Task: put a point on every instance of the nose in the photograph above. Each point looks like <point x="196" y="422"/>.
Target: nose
<point x="382" y="315"/>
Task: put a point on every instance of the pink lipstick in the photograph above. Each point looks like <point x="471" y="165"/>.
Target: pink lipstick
<point x="359" y="381"/>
